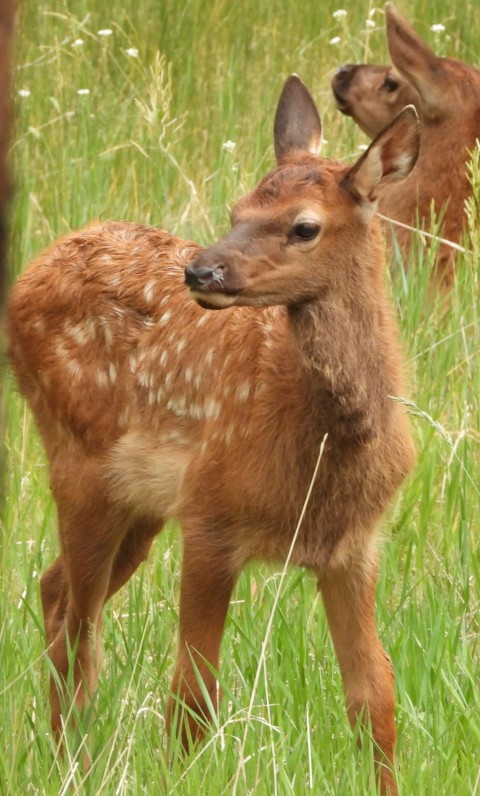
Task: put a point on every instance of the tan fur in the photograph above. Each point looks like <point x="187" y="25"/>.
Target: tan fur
<point x="151" y="407"/>
<point x="446" y="94"/>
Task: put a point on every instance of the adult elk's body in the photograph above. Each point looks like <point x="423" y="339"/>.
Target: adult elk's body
<point x="446" y="94"/>
<point x="151" y="406"/>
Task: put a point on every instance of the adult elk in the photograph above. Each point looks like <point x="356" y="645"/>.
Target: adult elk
<point x="446" y="94"/>
<point x="152" y="406"/>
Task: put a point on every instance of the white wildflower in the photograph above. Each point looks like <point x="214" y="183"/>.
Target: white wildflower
<point x="370" y="23"/>
<point x="340" y="13"/>
<point x="362" y="147"/>
<point x="132" y="52"/>
<point x="335" y="40"/>
<point x="229" y="146"/>
<point x="23" y="92"/>
<point x="83" y="91"/>
<point x="77" y="43"/>
<point x="438" y="28"/>
<point x="104" y="32"/>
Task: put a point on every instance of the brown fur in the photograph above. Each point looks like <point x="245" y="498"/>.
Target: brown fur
<point x="446" y="94"/>
<point x="151" y="407"/>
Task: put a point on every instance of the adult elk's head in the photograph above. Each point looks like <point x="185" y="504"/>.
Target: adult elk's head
<point x="443" y="90"/>
<point x="372" y="95"/>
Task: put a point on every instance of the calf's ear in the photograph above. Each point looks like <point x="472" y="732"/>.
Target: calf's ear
<point x="297" y="122"/>
<point x="389" y="159"/>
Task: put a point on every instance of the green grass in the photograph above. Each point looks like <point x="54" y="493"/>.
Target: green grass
<point x="146" y="145"/>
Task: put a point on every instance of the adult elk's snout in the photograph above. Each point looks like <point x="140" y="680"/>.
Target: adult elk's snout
<point x="340" y="84"/>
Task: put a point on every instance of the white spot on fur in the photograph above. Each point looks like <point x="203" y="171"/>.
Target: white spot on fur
<point x="203" y="319"/>
<point x="180" y="346"/>
<point x="164" y="300"/>
<point x="177" y="405"/>
<point x="196" y="411"/>
<point x="142" y="379"/>
<point x="148" y="290"/>
<point x="209" y="356"/>
<point x="74" y="368"/>
<point x="101" y="378"/>
<point x="212" y="408"/>
<point x="188" y="375"/>
<point x="168" y="380"/>
<point x="242" y="392"/>
<point x="107" y="333"/>
<point x="165" y="318"/>
<point x="81" y="333"/>
<point x="112" y="372"/>
<point x="61" y="351"/>
<point x="133" y="363"/>
<point x="39" y="326"/>
<point x="164" y="358"/>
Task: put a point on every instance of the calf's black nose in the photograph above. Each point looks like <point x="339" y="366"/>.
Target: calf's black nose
<point x="198" y="277"/>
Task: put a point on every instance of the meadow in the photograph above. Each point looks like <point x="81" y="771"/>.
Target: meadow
<point x="162" y="112"/>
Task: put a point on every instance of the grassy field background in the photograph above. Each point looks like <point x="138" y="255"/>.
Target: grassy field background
<point x="131" y="124"/>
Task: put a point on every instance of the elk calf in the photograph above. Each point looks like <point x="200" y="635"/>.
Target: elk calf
<point x="152" y="405"/>
<point x="446" y="94"/>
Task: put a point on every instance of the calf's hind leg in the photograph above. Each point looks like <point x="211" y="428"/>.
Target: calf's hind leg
<point x="53" y="590"/>
<point x="74" y="590"/>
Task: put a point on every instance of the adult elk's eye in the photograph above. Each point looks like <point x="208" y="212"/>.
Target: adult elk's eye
<point x="306" y="230"/>
<point x="390" y="84"/>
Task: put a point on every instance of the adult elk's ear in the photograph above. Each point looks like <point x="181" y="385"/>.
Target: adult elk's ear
<point x="390" y="158"/>
<point x="297" y="121"/>
<point x="416" y="61"/>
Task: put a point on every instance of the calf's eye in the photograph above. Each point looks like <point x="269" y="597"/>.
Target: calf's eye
<point x="306" y="230"/>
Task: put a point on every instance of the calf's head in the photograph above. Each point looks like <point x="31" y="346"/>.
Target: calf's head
<point x="297" y="233"/>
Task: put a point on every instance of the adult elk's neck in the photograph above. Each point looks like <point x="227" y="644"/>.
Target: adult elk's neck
<point x="349" y="355"/>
